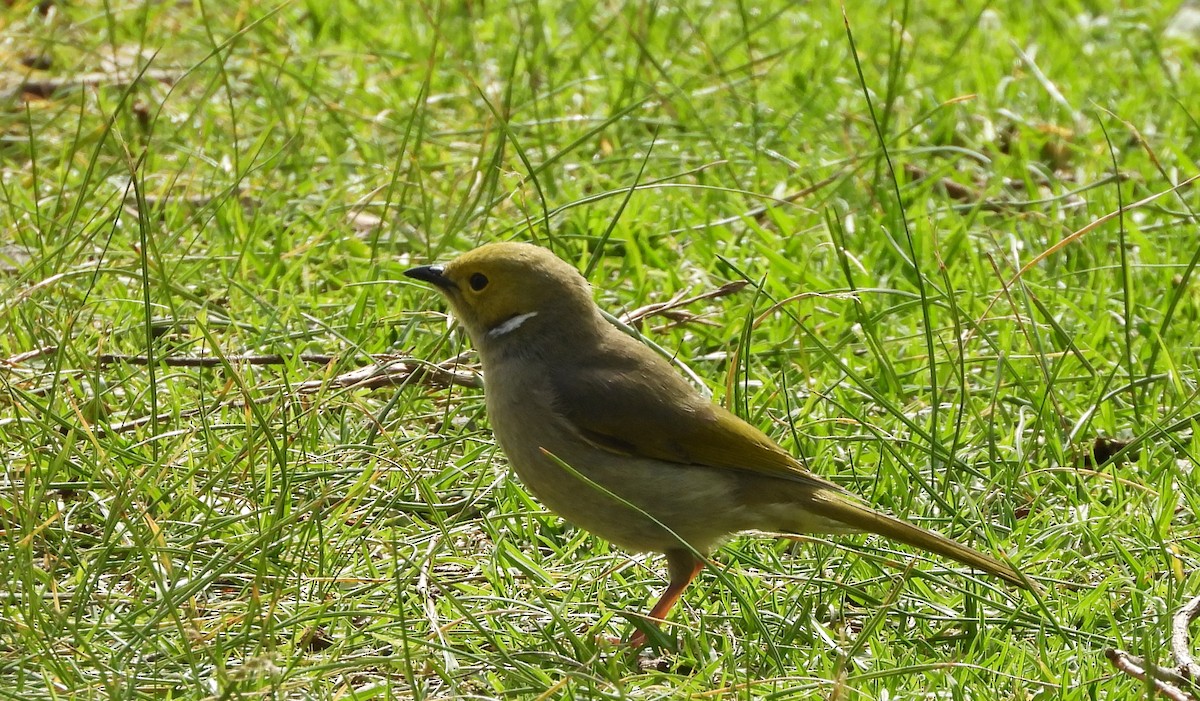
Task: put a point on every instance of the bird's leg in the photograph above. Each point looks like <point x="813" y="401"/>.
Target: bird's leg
<point x="682" y="567"/>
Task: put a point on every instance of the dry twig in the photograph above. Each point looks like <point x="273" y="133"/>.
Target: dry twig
<point x="390" y="373"/>
<point x="1137" y="668"/>
<point x="1168" y="682"/>
<point x="954" y="190"/>
<point x="174" y="361"/>
<point x="28" y="355"/>
<point x="1181" y="645"/>
<point x="47" y="87"/>
<point x="385" y="371"/>
<point x="637" y="316"/>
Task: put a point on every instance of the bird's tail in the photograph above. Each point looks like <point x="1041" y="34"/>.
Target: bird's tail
<point x="830" y="504"/>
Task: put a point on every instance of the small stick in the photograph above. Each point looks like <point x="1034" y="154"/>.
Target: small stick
<point x="663" y="308"/>
<point x="47" y="87"/>
<point x="954" y="190"/>
<point x="28" y="355"/>
<point x="400" y="371"/>
<point x="211" y="361"/>
<point x="1181" y="646"/>
<point x="1133" y="666"/>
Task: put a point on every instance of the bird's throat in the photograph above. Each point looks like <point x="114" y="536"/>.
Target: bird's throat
<point x="509" y="325"/>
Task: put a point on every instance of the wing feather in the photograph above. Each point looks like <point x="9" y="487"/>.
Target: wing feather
<point x="629" y="401"/>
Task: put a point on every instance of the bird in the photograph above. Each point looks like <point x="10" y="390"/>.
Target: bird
<point x="609" y="436"/>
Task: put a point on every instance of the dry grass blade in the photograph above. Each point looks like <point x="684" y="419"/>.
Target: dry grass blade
<point x="1068" y="240"/>
<point x="637" y="316"/>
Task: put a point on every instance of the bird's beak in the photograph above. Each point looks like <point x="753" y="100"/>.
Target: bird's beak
<point x="432" y="274"/>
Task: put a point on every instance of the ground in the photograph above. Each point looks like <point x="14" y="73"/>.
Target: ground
<point x="969" y="294"/>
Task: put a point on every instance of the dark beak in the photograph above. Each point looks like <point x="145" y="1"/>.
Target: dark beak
<point x="431" y="274"/>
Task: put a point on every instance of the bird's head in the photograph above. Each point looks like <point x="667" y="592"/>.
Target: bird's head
<point x="513" y="293"/>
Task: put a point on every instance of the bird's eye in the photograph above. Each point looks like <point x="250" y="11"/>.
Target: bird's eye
<point x="478" y="281"/>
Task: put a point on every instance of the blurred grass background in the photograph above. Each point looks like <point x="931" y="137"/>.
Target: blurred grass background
<point x="221" y="179"/>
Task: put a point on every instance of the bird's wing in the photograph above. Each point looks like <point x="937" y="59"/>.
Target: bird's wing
<point x="642" y="407"/>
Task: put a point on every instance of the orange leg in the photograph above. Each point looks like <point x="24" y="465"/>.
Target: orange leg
<point x="682" y="567"/>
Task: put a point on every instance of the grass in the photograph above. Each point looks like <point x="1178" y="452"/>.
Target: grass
<point x="264" y="531"/>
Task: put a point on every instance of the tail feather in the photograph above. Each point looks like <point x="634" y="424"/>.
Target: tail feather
<point x="837" y="507"/>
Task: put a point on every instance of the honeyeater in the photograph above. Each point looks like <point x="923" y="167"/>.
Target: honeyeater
<point x="604" y="432"/>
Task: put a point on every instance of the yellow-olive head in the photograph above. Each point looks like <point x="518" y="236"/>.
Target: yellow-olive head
<point x="513" y="292"/>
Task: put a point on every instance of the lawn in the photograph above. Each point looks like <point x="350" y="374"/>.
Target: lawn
<point x="244" y="457"/>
